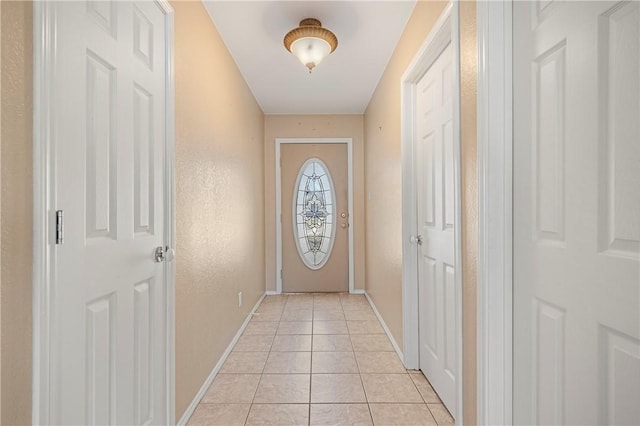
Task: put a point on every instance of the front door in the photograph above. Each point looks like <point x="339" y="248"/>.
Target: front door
<point x="436" y="222"/>
<point x="576" y="220"/>
<point x="109" y="294"/>
<point x="315" y="219"/>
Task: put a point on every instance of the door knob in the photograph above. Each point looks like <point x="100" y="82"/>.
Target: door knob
<point x="416" y="239"/>
<point x="343" y="225"/>
<point x="164" y="253"/>
<point x="170" y="254"/>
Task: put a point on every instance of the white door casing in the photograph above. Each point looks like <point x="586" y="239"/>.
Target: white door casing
<point x="436" y="224"/>
<point x="576" y="81"/>
<point x="494" y="325"/>
<point x="103" y="328"/>
<point x="444" y="35"/>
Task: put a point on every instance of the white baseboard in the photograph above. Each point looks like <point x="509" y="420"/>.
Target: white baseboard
<point x="358" y="291"/>
<point x="384" y="327"/>
<point x="271" y="293"/>
<point x="205" y="386"/>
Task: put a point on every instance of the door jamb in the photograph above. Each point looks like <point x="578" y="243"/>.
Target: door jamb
<point x="279" y="142"/>
<point x="444" y="32"/>
<point x="44" y="57"/>
<point x="495" y="211"/>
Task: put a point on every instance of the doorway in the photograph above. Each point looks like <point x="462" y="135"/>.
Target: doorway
<point x="314" y="203"/>
<point x="315" y="255"/>
<point x="432" y="288"/>
<point x="103" y="213"/>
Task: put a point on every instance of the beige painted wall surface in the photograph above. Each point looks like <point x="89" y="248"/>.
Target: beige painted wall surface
<point x="384" y="172"/>
<point x="219" y="199"/>
<point x="383" y="165"/>
<point x="469" y="169"/>
<point x="16" y="206"/>
<point x="314" y="126"/>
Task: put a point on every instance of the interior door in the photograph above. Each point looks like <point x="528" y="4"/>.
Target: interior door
<point x="576" y="214"/>
<point x="315" y="217"/>
<point x="108" y="297"/>
<point x="436" y="223"/>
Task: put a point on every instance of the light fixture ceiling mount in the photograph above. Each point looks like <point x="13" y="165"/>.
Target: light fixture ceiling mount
<point x="310" y="43"/>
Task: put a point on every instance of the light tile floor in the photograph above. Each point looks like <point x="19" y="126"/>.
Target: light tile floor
<point x="317" y="359"/>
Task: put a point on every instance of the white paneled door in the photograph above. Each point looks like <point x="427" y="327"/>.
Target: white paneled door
<point x="109" y="294"/>
<point x="576" y="214"/>
<point x="436" y="225"/>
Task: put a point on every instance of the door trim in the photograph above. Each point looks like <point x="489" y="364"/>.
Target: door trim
<point x="44" y="57"/>
<point x="495" y="196"/>
<point x="444" y="32"/>
<point x="279" y="143"/>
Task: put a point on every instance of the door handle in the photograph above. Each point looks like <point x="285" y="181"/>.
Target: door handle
<point x="416" y="239"/>
<point x="164" y="253"/>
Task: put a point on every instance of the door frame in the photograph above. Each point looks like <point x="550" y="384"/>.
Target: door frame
<point x="44" y="57"/>
<point x="278" y="217"/>
<point x="444" y="32"/>
<point x="495" y="212"/>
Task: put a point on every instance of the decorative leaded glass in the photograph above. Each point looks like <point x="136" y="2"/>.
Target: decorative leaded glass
<point x="313" y="213"/>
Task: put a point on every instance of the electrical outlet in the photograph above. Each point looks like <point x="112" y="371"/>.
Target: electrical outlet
<point x="239" y="299"/>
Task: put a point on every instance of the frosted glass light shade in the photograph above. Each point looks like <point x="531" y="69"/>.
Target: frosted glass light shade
<point x="310" y="43"/>
<point x="310" y="51"/>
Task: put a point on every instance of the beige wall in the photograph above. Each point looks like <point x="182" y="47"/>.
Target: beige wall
<point x="468" y="122"/>
<point x="219" y="199"/>
<point x="383" y="168"/>
<point x="314" y="126"/>
<point x="16" y="206"/>
<point x="383" y="177"/>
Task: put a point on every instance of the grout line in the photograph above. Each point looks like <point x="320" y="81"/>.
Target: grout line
<point x="366" y="398"/>
<point x="263" y="367"/>
<point x="246" y="419"/>
<point x="416" y="386"/>
<point x="385" y="328"/>
<point x="313" y="310"/>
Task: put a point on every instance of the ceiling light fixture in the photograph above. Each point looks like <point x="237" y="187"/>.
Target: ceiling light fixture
<point x="310" y="43"/>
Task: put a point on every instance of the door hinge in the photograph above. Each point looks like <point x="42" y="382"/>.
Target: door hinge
<point x="280" y="273"/>
<point x="59" y="226"/>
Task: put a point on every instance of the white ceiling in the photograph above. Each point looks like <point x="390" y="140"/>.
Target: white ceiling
<point x="343" y="83"/>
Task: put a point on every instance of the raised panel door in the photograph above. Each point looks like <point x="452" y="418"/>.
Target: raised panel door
<point x="576" y="214"/>
<point x="108" y="294"/>
<point x="436" y="224"/>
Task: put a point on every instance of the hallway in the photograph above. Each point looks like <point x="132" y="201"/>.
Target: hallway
<point x="320" y="359"/>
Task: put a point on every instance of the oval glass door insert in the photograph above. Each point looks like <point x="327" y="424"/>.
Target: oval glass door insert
<point x="314" y="213"/>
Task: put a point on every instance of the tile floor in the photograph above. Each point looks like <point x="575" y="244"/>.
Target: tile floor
<point x="317" y="359"/>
